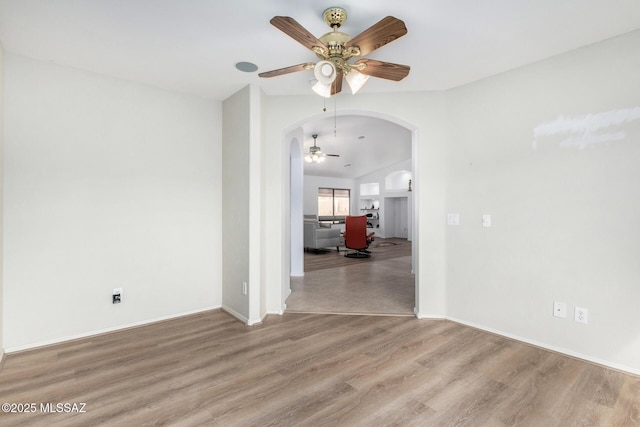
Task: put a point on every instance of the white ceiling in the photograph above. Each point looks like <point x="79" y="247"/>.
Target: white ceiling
<point x="364" y="144"/>
<point x="192" y="46"/>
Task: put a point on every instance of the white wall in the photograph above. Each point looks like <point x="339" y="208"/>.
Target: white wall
<point x="379" y="177"/>
<point x="243" y="193"/>
<point x="1" y="199"/>
<point x="293" y="255"/>
<point x="108" y="183"/>
<point x="310" y="191"/>
<point x="564" y="218"/>
<point x="258" y="222"/>
<point x="236" y="201"/>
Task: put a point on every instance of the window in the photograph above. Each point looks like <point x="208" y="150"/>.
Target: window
<point x="333" y="202"/>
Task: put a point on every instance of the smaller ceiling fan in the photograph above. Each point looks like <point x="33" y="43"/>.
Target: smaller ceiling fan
<point x="315" y="155"/>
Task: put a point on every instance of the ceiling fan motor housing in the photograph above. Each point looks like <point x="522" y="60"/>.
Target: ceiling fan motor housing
<point x="335" y="40"/>
<point x="334" y="16"/>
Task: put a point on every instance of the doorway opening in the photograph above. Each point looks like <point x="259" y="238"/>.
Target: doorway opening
<point x="386" y="283"/>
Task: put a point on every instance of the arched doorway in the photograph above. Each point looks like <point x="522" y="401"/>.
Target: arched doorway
<point x="297" y="133"/>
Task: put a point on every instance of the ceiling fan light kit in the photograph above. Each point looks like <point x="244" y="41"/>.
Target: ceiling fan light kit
<point x="325" y="72"/>
<point x="356" y="80"/>
<point x="315" y="158"/>
<point x="335" y="49"/>
<point x="322" y="89"/>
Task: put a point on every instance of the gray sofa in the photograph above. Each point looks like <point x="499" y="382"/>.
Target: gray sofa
<point x="318" y="236"/>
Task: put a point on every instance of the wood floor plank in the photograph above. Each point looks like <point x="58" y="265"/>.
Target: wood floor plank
<point x="627" y="406"/>
<point x="312" y="369"/>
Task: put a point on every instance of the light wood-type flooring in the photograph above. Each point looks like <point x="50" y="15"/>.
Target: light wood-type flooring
<point x="313" y="370"/>
<point x="333" y="283"/>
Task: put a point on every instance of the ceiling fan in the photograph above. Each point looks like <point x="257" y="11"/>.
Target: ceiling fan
<point x="335" y="48"/>
<point x="315" y="155"/>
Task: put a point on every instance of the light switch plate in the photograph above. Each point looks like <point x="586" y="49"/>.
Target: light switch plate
<point x="486" y="220"/>
<point x="116" y="297"/>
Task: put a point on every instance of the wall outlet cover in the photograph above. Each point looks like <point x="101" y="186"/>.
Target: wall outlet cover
<point x="560" y="309"/>
<point x="581" y="315"/>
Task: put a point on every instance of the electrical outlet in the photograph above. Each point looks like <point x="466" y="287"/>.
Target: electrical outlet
<point x="581" y="315"/>
<point x="560" y="309"/>
<point x="244" y="288"/>
<point x="116" y="296"/>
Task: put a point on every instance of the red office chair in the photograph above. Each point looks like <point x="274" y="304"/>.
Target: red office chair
<point x="356" y="238"/>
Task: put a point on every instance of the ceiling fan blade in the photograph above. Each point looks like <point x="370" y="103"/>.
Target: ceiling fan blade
<point x="287" y="70"/>
<point x="384" y="70"/>
<point x="293" y="29"/>
<point x="336" y="86"/>
<point x="332" y="155"/>
<point x="385" y="31"/>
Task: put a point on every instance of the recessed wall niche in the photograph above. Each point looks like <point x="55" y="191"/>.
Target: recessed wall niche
<point x="369" y="189"/>
<point x="398" y="181"/>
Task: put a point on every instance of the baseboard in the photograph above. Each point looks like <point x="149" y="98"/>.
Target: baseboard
<point x="428" y="316"/>
<point x="284" y="300"/>
<point x="563" y="351"/>
<point x="284" y="305"/>
<point x="1" y="359"/>
<point x="252" y="322"/>
<point x="242" y="318"/>
<point x="104" y="331"/>
<point x="279" y="312"/>
<point x="235" y="314"/>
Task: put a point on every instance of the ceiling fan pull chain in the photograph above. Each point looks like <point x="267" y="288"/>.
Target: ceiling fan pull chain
<point x="335" y="117"/>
